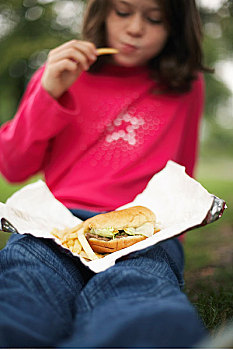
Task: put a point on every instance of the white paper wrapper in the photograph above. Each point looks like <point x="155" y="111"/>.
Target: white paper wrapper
<point x="179" y="202"/>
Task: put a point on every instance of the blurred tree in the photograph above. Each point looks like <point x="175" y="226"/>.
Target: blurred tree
<point x="30" y="28"/>
<point x="218" y="49"/>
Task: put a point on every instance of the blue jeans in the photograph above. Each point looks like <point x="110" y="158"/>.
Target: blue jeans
<point x="49" y="299"/>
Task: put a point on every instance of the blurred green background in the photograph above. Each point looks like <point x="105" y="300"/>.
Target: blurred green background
<point x="30" y="28"/>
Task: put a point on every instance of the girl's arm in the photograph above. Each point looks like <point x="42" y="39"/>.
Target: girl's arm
<point x="24" y="140"/>
<point x="45" y="110"/>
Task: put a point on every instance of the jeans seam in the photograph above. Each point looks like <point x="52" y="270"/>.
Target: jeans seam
<point x="156" y="273"/>
<point x="88" y="305"/>
<point x="174" y="267"/>
<point x="169" y="260"/>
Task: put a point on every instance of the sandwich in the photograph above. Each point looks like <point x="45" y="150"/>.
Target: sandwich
<point x="109" y="232"/>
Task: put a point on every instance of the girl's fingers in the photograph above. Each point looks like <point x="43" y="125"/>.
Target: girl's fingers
<point x="83" y="61"/>
<point x="72" y="50"/>
<point x="77" y="44"/>
<point x="64" y="65"/>
<point x="87" y="48"/>
<point x="76" y="56"/>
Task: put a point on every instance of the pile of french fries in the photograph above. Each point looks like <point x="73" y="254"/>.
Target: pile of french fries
<point x="75" y="240"/>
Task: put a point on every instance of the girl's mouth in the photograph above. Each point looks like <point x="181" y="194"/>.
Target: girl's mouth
<point x="128" y="48"/>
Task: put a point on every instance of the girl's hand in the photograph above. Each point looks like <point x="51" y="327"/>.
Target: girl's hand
<point x="64" y="65"/>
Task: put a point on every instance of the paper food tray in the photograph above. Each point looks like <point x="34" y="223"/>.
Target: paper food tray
<point x="179" y="202"/>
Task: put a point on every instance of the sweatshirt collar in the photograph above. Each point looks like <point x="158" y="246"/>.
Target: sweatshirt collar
<point x="119" y="71"/>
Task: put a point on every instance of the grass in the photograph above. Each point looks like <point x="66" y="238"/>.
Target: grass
<point x="208" y="250"/>
<point x="209" y="262"/>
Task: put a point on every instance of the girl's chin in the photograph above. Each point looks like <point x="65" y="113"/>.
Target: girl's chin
<point x="125" y="62"/>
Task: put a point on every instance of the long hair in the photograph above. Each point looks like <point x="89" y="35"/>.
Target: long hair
<point x="179" y="62"/>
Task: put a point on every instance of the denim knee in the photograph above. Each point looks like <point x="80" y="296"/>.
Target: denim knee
<point x="165" y="259"/>
<point x="146" y="322"/>
<point x="28" y="252"/>
<point x="146" y="273"/>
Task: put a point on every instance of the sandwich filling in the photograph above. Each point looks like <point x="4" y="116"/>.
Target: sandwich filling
<point x="147" y="230"/>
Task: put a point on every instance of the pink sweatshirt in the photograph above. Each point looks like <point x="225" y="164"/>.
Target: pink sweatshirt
<point x="100" y="144"/>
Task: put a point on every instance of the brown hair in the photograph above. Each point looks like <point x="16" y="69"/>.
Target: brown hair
<point x="180" y="60"/>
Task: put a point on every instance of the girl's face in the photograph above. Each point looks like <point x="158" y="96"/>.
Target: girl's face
<point x="136" y="28"/>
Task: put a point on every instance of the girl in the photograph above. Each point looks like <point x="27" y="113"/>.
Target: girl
<point x="99" y="128"/>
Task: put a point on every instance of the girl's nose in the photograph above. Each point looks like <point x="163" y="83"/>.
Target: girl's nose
<point x="136" y="25"/>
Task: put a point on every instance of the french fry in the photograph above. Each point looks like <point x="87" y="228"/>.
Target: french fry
<point x="70" y="243"/>
<point x="77" y="247"/>
<point x="55" y="232"/>
<point x="107" y="51"/>
<point x="86" y="246"/>
<point x="69" y="237"/>
<point x="84" y="255"/>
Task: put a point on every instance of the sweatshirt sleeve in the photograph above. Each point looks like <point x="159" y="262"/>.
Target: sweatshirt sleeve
<point x="189" y="149"/>
<point x="25" y="139"/>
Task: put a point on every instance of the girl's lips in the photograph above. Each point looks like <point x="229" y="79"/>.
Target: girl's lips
<point x="127" y="48"/>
